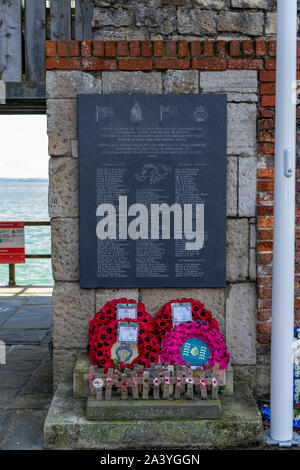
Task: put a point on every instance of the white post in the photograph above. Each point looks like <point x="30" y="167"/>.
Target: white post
<point x="284" y="226"/>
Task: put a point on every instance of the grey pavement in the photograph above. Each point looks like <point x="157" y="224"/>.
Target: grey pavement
<point x="26" y="376"/>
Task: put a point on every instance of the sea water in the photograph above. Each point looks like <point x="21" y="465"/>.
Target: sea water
<point x="28" y="200"/>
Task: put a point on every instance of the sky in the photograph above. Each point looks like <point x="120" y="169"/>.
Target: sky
<point x="23" y="146"/>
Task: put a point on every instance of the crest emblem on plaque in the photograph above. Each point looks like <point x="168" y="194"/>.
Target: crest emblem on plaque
<point x="195" y="351"/>
<point x="136" y="114"/>
<point x="200" y="114"/>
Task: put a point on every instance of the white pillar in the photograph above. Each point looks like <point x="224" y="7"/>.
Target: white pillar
<point x="284" y="225"/>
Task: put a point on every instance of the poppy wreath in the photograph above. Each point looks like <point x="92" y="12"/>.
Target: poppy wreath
<point x="105" y="336"/>
<point x="163" y="320"/>
<point x="109" y="312"/>
<point x="171" y="345"/>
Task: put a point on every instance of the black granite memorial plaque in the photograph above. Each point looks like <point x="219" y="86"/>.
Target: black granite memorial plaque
<point x="152" y="190"/>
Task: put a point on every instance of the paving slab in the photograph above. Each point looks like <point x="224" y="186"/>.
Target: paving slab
<point x="5" y="419"/>
<point x="31" y="402"/>
<point x="13" y="380"/>
<point x="15" y="336"/>
<point x="240" y="425"/>
<point x="26" y="432"/>
<point x="39" y="299"/>
<point x="30" y="317"/>
<point x="38" y="385"/>
<point x="7" y="397"/>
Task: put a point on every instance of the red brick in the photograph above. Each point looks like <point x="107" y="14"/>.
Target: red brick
<point x="267" y="88"/>
<point x="270" y="64"/>
<point x="208" y="48"/>
<point x="69" y="63"/>
<point x="245" y="64"/>
<point x="265" y="258"/>
<point x="183" y="48"/>
<point x="266" y="149"/>
<point x="265" y="281"/>
<point x="265" y="136"/>
<point x="265" y="234"/>
<point x="261" y="48"/>
<point x="51" y="48"/>
<point x="248" y="48"/>
<point x="221" y="48"/>
<point x="265" y="246"/>
<point x="146" y="48"/>
<point x="264" y="124"/>
<point x="264" y="327"/>
<point x="264" y="339"/>
<point x="209" y="64"/>
<point x="86" y="48"/>
<point x="266" y="76"/>
<point x="98" y="48"/>
<point x="265" y="210"/>
<point x="122" y="48"/>
<point x="196" y="48"/>
<point x="234" y="48"/>
<point x="134" y="48"/>
<point x="264" y="315"/>
<point x="266" y="113"/>
<point x="135" y="64"/>
<point x="171" y="48"/>
<point x="158" y="48"/>
<point x="265" y="173"/>
<point x="177" y="64"/>
<point x="265" y="185"/>
<point x="264" y="293"/>
<point x="74" y="48"/>
<point x="267" y="100"/>
<point x="99" y="64"/>
<point x="272" y="48"/>
<point x="110" y="48"/>
<point x="62" y="49"/>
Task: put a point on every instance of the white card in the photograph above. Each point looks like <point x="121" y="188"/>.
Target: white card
<point x="128" y="332"/>
<point x="126" y="311"/>
<point x="181" y="313"/>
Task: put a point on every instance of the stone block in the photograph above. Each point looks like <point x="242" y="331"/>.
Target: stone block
<point x="162" y="20"/>
<point x="241" y="129"/>
<point x="237" y="249"/>
<point x="112" y="17"/>
<point x="197" y="22"/>
<point x="263" y="4"/>
<point x="132" y="82"/>
<point x="229" y="81"/>
<point x="65" y="249"/>
<point x="66" y="427"/>
<point x="217" y="4"/>
<point x="232" y="186"/>
<point x="271" y="24"/>
<point x="64" y="361"/>
<point x="247" y="187"/>
<point x="61" y="125"/>
<point x="124" y="33"/>
<point x="104" y="295"/>
<point x="63" y="187"/>
<point x="72" y="310"/>
<point x="181" y="81"/>
<point x="246" y="22"/>
<point x="252" y="264"/>
<point x="241" y="323"/>
<point x="262" y="382"/>
<point x="213" y="299"/>
<point x="68" y="84"/>
<point x="80" y="380"/>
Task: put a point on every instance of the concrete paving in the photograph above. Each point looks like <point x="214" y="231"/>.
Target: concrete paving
<point x="26" y="376"/>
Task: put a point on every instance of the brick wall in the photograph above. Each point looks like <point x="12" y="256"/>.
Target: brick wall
<point x="256" y="58"/>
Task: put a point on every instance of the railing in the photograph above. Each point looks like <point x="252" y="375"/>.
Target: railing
<point x="12" y="270"/>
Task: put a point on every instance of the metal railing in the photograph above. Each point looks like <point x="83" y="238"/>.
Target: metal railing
<point x="12" y="269"/>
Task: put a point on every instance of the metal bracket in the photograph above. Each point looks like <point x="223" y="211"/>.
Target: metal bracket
<point x="288" y="162"/>
<point x="295" y="441"/>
